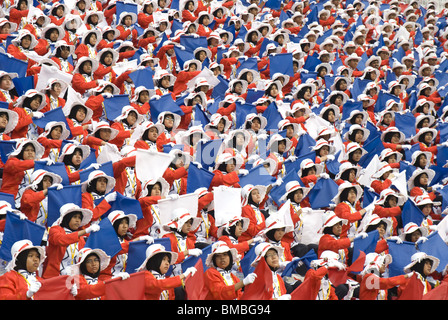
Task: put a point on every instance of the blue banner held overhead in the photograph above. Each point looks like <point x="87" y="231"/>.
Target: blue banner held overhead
<point x="57" y="198"/>
<point x="114" y="105"/>
<point x="198" y="178"/>
<point x="105" y="239"/>
<point x="137" y="252"/>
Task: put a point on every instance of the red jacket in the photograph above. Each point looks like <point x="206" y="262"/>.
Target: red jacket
<point x="13" y="286"/>
<point x="218" y="289"/>
<point x="154" y="286"/>
<point x="13" y="173"/>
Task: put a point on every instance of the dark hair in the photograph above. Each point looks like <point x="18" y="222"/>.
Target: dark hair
<point x="251" y="201"/>
<point x="223" y="166"/>
<point x="66" y="220"/>
<point x="386" y="201"/>
<point x="40" y="185"/>
<point x="117" y="224"/>
<point x="306" y="170"/>
<point x="422" y="136"/>
<point x="49" y="31"/>
<point x="418" y="267"/>
<point x="20" y="155"/>
<point x="21" y="259"/>
<point x="154" y="262"/>
<point x="27" y="101"/>
<point x="417" y="181"/>
<point x="83" y="268"/>
<point x="344" y="194"/>
<point x="7" y="117"/>
<point x="81" y="66"/>
<point x="346" y="174"/>
<point x="408" y="236"/>
<point x="91" y="187"/>
<point x="326" y="114"/>
<point x="375" y="226"/>
<point x="291" y="195"/>
<point x="68" y="158"/>
<point x="301" y="93"/>
<point x="351" y="136"/>
<point x="230" y="264"/>
<point x="74" y="111"/>
<point x="388" y="136"/>
<point x="103" y="57"/>
<point x="149" y="187"/>
<point x="328" y="230"/>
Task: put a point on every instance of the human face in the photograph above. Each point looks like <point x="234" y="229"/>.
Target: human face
<point x="337" y="229"/>
<point x="427" y="267"/>
<point x="29" y="152"/>
<point x="274" y="90"/>
<point x="153" y="134"/>
<point x="352" y="175"/>
<point x="65" y="52"/>
<point x="108" y="59"/>
<point x="80" y="115"/>
<point x="127" y="21"/>
<point x="143" y="97"/>
<point x="54" y="35"/>
<point x="238" y="229"/>
<point x="47" y="181"/>
<point x="272" y="258"/>
<point x="351" y="196"/>
<point x="256" y="196"/>
<point x="324" y="151"/>
<point x="156" y="191"/>
<point x="239" y="139"/>
<point x="307" y="94"/>
<point x="56" y="133"/>
<point x="105" y="134"/>
<point x="56" y="89"/>
<point x="32" y="260"/>
<point x="357" y="155"/>
<point x="281" y="146"/>
<point x="255" y="125"/>
<point x="222" y="260"/>
<point x="221" y="125"/>
<point x="238" y="88"/>
<point x="131" y="118"/>
<point x="169" y="121"/>
<point x="392" y="201"/>
<point x="87" y="67"/>
<point x="3" y="120"/>
<point x="164" y="265"/>
<point x="92" y="263"/>
<point x="331" y="116"/>
<point x="123" y="227"/>
<point x="165" y="82"/>
<point x="5" y="82"/>
<point x="279" y="233"/>
<point x="186" y="228"/>
<point x="426" y="210"/>
<point x="77" y="158"/>
<point x="230" y="167"/>
<point x="298" y="196"/>
<point x="101" y="184"/>
<point x="427" y="138"/>
<point x="5" y="29"/>
<point x="290" y="131"/>
<point x="75" y="221"/>
<point x="424" y="179"/>
<point x="359" y="136"/>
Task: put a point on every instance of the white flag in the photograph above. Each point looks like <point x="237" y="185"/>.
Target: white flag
<point x="167" y="206"/>
<point x="151" y="165"/>
<point x="227" y="202"/>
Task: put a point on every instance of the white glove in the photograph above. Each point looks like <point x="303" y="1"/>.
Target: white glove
<point x="335" y="264"/>
<point x="262" y="136"/>
<point x="292" y="158"/>
<point x="445" y="144"/>
<point x="397" y="239"/>
<point x="49" y="162"/>
<point x="278" y="182"/>
<point x="250" y="278"/>
<point x="22" y="216"/>
<point x="194" y="252"/>
<point x="122" y="275"/>
<point x="33" y="288"/>
<point x="59" y="186"/>
<point x="190" y="271"/>
<point x="173" y="196"/>
<point x="198" y="165"/>
<point x="362" y="235"/>
<point x="405" y="147"/>
<point x="421" y="240"/>
<point x="111" y="197"/>
<point x="93" y="228"/>
<point x="148" y="239"/>
<point x="258" y="239"/>
<point x="107" y="94"/>
<point x="95" y="166"/>
<point x="285" y="297"/>
<point x="437" y="186"/>
<point x="324" y="176"/>
<point x="38" y="114"/>
<point x="74" y="290"/>
<point x="243" y="172"/>
<point x="330" y="157"/>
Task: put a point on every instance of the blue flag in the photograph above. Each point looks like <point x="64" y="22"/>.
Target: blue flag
<point x="321" y="194"/>
<point x="198" y="178"/>
<point x="127" y="205"/>
<point x="24" y="84"/>
<point x="57" y="198"/>
<point x="114" y="105"/>
<point x="435" y="246"/>
<point x="164" y="103"/>
<point x="248" y="258"/>
<point x="143" y="77"/>
<point x="106" y="167"/>
<point x="105" y="239"/>
<point x="191" y="43"/>
<point x="15" y="230"/>
<point x="253" y="95"/>
<point x="183" y="55"/>
<point x="241" y="111"/>
<point x="411" y="213"/>
<point x="52" y="115"/>
<point x="249" y="63"/>
<point x="406" y="123"/>
<point x="6" y="147"/>
<point x="191" y="261"/>
<point x="257" y="176"/>
<point x="401" y="256"/>
<point x="306" y="259"/>
<point x="207" y="152"/>
<point x="8" y="197"/>
<point x="125" y="7"/>
<point x="273" y="116"/>
<point x="219" y="91"/>
<point x="13" y="65"/>
<point x="281" y="63"/>
<point x="366" y="245"/>
<point x="137" y="252"/>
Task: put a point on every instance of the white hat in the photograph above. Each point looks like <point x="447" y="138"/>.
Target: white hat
<point x="293" y="186"/>
<point x="248" y="188"/>
<point x="430" y="173"/>
<point x="13" y="119"/>
<point x="99" y="174"/>
<point x="118" y="215"/>
<point x="180" y="217"/>
<point x="154" y="249"/>
<point x="20" y="246"/>
<point x="411" y="227"/>
<point x="262" y="248"/>
<point x="220" y="247"/>
<point x="348" y="166"/>
<point x="308" y="163"/>
<point x="277" y="138"/>
<point x="165" y="187"/>
<point x="50" y="125"/>
<point x="104" y="125"/>
<point x="29" y="94"/>
<point x="83" y="253"/>
<point x="38" y="175"/>
<point x="39" y="149"/>
<point x="375" y="261"/>
<point x="329" y="219"/>
<point x="71" y="207"/>
<point x="226" y="156"/>
<point x="348" y="185"/>
<point x="419" y="257"/>
<point x="233" y="221"/>
<point x="401" y="199"/>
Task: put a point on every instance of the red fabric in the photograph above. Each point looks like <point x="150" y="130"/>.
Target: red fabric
<point x="195" y="285"/>
<point x="54" y="289"/>
<point x="261" y="288"/>
<point x="132" y="288"/>
<point x="413" y="289"/>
